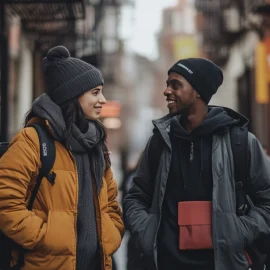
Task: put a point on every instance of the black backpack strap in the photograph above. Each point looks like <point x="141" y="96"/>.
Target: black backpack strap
<point x="239" y="145"/>
<point x="47" y="157"/>
<point x="156" y="147"/>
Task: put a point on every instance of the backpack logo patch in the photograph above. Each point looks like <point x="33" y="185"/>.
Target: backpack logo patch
<point x="45" y="149"/>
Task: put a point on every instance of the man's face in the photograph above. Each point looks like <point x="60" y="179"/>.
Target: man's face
<point x="179" y="93"/>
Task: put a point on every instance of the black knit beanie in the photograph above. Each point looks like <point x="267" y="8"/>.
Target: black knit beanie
<point x="67" y="77"/>
<point x="204" y="76"/>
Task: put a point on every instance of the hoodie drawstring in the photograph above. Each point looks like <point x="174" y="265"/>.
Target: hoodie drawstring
<point x="201" y="172"/>
<point x="191" y="154"/>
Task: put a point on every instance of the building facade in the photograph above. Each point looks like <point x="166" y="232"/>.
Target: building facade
<point x="234" y="35"/>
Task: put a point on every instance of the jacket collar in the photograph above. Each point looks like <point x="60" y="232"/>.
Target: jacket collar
<point x="162" y="125"/>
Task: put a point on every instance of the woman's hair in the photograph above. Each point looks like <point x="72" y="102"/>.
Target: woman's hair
<point x="30" y="114"/>
<point x="73" y="114"/>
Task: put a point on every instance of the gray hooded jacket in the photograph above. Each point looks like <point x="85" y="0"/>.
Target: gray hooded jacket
<point x="231" y="233"/>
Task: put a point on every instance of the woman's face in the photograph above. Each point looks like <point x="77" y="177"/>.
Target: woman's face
<point x="91" y="102"/>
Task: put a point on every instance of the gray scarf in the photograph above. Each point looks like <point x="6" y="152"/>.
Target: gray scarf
<point x="87" y="149"/>
<point x="45" y="108"/>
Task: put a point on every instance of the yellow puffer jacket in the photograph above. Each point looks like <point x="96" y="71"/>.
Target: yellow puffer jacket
<point x="48" y="232"/>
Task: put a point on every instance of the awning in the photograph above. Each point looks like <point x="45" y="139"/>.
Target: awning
<point x="48" y="22"/>
<point x="47" y="10"/>
<point x="47" y="17"/>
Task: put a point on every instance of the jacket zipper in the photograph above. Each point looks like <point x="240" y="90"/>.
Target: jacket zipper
<point x="159" y="215"/>
<point x="159" y="221"/>
<point x="96" y="200"/>
<point x="98" y="218"/>
<point x="76" y="203"/>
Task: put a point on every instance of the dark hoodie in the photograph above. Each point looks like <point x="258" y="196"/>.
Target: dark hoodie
<point x="190" y="179"/>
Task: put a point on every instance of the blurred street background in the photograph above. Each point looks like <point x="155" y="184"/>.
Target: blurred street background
<point x="133" y="43"/>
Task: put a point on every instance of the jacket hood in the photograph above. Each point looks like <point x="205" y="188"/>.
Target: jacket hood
<point x="218" y="120"/>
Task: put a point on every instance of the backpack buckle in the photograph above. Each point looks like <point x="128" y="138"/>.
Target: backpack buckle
<point x="51" y="178"/>
<point x="238" y="185"/>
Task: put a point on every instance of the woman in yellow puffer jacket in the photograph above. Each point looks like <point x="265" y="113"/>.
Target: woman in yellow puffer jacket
<point x="75" y="223"/>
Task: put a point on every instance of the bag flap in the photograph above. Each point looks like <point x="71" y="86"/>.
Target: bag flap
<point x="195" y="213"/>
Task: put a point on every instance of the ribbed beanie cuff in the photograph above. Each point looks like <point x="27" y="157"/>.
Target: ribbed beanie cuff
<point x="77" y="86"/>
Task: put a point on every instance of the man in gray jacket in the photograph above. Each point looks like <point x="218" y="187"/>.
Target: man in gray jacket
<point x="183" y="212"/>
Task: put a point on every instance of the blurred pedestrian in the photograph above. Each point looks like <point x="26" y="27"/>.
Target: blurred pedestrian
<point x="76" y="221"/>
<point x="182" y="204"/>
<point x="134" y="258"/>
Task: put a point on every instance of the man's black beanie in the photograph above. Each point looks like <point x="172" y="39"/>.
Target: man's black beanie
<point x="204" y="76"/>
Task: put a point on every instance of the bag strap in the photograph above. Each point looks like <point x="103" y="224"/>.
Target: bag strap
<point x="156" y="147"/>
<point x="239" y="145"/>
<point x="47" y="158"/>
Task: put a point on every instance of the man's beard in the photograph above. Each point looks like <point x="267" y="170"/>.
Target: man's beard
<point x="180" y="111"/>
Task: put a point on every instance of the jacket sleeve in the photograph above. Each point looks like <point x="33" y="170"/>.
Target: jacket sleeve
<point x="114" y="209"/>
<point x="138" y="201"/>
<point x="18" y="166"/>
<point x="257" y="221"/>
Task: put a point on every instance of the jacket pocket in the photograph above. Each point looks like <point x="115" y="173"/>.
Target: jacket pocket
<point x="148" y="234"/>
<point x="229" y="233"/>
<point x="60" y="238"/>
<point x="111" y="237"/>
